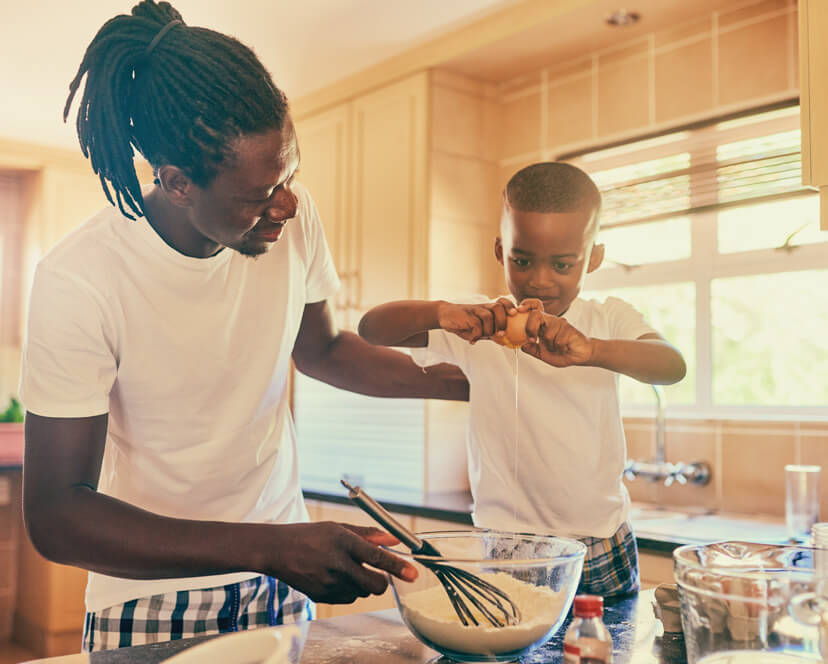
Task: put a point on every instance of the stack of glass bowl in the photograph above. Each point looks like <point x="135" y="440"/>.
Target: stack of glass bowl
<point x="742" y="602"/>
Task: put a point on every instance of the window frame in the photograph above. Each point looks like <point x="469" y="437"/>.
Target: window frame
<point x="705" y="264"/>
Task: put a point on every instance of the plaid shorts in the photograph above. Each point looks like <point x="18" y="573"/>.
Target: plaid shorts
<point x="611" y="564"/>
<point x="258" y="602"/>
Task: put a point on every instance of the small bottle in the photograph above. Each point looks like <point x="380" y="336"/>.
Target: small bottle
<point x="588" y="641"/>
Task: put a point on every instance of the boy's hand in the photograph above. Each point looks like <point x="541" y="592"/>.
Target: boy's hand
<point x="559" y="343"/>
<point x="473" y="322"/>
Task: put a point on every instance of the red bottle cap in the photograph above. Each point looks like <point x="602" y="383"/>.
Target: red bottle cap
<point x="589" y="606"/>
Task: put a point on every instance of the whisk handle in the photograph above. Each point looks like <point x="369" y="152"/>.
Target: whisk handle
<point x="384" y="518"/>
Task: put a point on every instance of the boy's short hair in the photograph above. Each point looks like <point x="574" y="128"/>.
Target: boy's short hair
<point x="553" y="186"/>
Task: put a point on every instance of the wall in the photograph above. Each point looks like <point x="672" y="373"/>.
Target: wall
<point x="60" y="192"/>
<point x="748" y="460"/>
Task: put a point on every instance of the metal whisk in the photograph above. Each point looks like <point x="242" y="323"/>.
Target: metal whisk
<point x="462" y="587"/>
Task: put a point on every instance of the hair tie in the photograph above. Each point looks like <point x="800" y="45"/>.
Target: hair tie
<point x="158" y="37"/>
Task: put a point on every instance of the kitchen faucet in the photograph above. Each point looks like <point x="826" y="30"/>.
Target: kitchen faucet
<point x="659" y="469"/>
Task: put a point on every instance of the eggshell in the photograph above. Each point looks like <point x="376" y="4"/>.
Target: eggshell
<point x="515" y="331"/>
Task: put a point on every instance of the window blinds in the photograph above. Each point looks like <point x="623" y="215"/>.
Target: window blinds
<point x="726" y="163"/>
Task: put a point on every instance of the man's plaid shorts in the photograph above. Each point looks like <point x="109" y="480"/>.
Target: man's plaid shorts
<point x="258" y="602"/>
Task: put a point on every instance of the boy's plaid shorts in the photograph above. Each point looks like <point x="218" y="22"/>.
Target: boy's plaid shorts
<point x="611" y="564"/>
<point x="258" y="602"/>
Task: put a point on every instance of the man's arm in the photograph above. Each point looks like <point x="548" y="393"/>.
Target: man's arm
<point x="70" y="522"/>
<point x="402" y="323"/>
<point x="344" y="360"/>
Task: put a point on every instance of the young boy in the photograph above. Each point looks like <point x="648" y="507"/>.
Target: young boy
<point x="559" y="470"/>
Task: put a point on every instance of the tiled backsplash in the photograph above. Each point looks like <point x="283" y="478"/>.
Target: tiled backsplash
<point x="747" y="458"/>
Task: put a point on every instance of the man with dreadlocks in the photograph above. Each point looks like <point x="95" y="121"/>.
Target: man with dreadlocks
<point x="160" y="452"/>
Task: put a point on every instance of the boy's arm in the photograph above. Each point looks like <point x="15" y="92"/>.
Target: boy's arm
<point x="407" y="322"/>
<point x="650" y="358"/>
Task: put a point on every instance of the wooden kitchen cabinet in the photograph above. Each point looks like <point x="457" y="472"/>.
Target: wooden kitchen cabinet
<point x="390" y="205"/>
<point x="364" y="163"/>
<point x="325" y="142"/>
<point x="655" y="568"/>
<point x="367" y="163"/>
<point x="50" y="604"/>
<point x="813" y="98"/>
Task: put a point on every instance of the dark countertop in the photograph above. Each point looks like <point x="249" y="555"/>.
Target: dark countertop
<point x="382" y="637"/>
<point x="446" y="506"/>
<point x="456" y="507"/>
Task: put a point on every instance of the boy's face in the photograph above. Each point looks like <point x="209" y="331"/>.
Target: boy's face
<point x="546" y="255"/>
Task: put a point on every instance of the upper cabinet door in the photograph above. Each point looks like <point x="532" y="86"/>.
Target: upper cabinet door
<point x="390" y="206"/>
<point x="325" y="146"/>
<point x="813" y="98"/>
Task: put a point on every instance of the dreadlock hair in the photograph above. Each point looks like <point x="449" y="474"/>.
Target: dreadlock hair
<point x="181" y="102"/>
<point x="553" y="186"/>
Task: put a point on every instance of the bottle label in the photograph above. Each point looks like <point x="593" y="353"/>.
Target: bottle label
<point x="572" y="654"/>
<point x="588" y="651"/>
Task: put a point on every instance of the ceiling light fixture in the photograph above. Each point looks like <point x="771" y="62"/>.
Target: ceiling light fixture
<point x="623" y="18"/>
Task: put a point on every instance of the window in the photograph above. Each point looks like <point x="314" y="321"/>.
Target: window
<point x="710" y="233"/>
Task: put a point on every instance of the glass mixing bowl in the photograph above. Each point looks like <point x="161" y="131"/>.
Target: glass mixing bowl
<point x="539" y="573"/>
<point x="743" y="597"/>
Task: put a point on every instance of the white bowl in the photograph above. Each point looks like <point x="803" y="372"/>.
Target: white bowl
<point x="265" y="645"/>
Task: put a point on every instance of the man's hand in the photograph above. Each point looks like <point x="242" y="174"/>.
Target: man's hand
<point x="473" y="322"/>
<point x="558" y="343"/>
<point x="331" y="562"/>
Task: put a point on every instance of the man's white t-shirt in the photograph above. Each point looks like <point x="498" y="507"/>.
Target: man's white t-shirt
<point x="559" y="469"/>
<point x="190" y="358"/>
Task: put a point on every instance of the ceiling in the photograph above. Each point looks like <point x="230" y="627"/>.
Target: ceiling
<point x="306" y="44"/>
<point x="575" y="33"/>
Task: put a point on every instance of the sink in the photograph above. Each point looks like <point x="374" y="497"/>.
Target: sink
<point x="701" y="527"/>
<point x="655" y="513"/>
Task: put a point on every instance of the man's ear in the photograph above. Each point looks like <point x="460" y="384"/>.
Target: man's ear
<point x="177" y="185"/>
<point x="596" y="257"/>
<point x="498" y="247"/>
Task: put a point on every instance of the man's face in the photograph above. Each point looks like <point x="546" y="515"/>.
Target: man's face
<point x="546" y="255"/>
<point x="247" y="204"/>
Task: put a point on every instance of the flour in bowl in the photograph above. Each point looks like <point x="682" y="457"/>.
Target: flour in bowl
<point x="431" y="614"/>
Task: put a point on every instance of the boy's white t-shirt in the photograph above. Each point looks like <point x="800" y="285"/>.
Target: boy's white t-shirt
<point x="569" y="445"/>
<point x="190" y="358"/>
